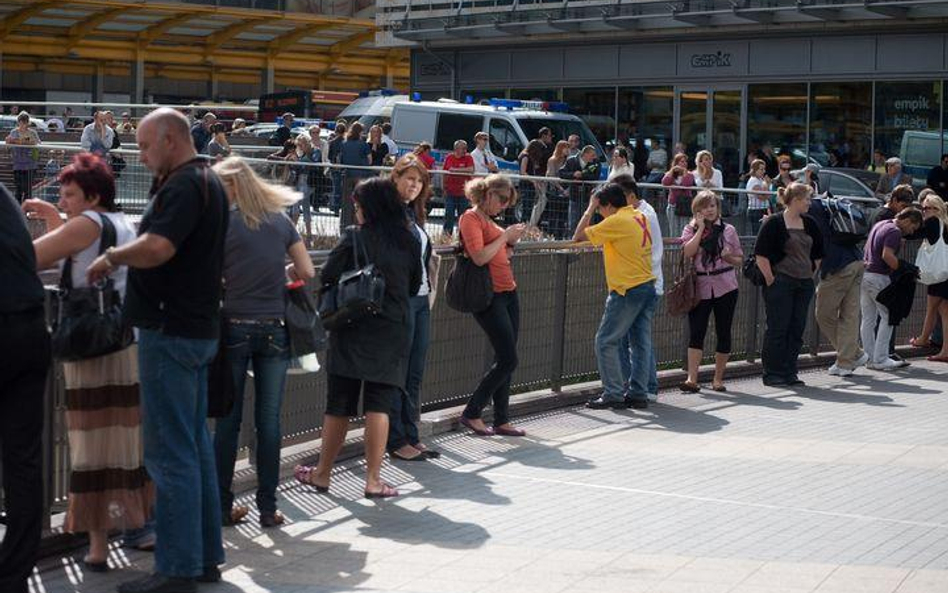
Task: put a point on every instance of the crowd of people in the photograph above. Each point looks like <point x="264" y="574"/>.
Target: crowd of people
<point x="206" y="271"/>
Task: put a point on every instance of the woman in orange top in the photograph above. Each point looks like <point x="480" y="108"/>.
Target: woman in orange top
<point x="488" y="244"/>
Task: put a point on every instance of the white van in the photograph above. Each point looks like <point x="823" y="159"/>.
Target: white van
<point x="376" y="108"/>
<point x="510" y="123"/>
<point x="921" y="151"/>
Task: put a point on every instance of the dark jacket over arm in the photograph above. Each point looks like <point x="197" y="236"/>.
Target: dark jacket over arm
<point x="375" y="348"/>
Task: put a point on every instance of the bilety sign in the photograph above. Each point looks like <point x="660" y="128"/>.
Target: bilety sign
<point x="719" y="59"/>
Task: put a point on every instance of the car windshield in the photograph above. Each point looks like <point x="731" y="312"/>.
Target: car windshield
<point x="562" y="130"/>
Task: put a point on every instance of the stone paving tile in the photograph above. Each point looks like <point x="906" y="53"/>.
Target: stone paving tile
<point x="758" y="490"/>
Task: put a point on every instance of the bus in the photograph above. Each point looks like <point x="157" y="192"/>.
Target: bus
<point x="322" y="105"/>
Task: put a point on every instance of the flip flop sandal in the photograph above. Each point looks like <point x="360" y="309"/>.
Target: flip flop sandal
<point x="95" y="566"/>
<point x="386" y="492"/>
<point x="919" y="344"/>
<point x="938" y="358"/>
<point x="302" y="474"/>
<point x="420" y="457"/>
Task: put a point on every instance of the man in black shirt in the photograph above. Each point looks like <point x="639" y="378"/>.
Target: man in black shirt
<point x="938" y="178"/>
<point x="201" y="132"/>
<point x="24" y="352"/>
<point x="174" y="290"/>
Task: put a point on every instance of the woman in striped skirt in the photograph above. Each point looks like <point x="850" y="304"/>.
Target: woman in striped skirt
<point x="108" y="486"/>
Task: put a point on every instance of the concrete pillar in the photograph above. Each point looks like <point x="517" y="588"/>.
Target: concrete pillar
<point x="138" y="78"/>
<point x="214" y="85"/>
<point x="98" y="83"/>
<point x="267" y="79"/>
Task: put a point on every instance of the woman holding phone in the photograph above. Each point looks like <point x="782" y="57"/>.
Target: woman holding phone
<point x="715" y="248"/>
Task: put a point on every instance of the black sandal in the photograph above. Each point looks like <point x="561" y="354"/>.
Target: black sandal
<point x="689" y="387"/>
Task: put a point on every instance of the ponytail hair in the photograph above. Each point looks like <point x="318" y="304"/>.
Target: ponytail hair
<point x="478" y="188"/>
<point x="794" y="191"/>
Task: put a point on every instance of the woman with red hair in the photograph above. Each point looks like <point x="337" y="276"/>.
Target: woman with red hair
<point x="108" y="486"/>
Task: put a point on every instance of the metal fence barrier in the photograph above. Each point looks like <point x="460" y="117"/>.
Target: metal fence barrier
<point x="562" y="292"/>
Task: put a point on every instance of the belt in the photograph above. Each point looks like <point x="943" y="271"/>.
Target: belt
<point x="234" y="321"/>
<point x="715" y="272"/>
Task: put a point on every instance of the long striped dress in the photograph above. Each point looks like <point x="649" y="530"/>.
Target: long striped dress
<point x="108" y="486"/>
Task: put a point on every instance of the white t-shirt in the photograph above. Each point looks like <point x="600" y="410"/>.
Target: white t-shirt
<point x="392" y="146"/>
<point x="482" y="160"/>
<point x="124" y="233"/>
<point x="628" y="168"/>
<point x="716" y="181"/>
<point x="757" y="202"/>
<point x="658" y="247"/>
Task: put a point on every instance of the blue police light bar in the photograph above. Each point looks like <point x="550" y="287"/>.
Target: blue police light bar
<point x="511" y="104"/>
<point x="416" y="97"/>
<point x="469" y="99"/>
<point x="508" y="104"/>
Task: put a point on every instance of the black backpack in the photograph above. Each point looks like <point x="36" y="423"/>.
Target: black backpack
<point x="848" y="224"/>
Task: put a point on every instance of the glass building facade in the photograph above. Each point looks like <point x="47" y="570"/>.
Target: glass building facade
<point x="837" y="124"/>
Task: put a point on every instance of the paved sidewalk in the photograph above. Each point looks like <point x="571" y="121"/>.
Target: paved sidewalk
<point x="758" y="490"/>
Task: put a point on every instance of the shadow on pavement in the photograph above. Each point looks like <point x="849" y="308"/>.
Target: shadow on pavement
<point x="396" y="523"/>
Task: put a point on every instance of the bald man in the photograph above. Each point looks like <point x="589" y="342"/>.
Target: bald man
<point x="174" y="292"/>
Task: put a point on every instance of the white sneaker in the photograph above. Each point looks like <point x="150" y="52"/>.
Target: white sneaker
<point x="862" y="360"/>
<point x="838" y="371"/>
<point x="886" y="365"/>
<point x="652" y="397"/>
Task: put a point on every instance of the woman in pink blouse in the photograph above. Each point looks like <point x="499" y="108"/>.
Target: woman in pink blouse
<point x="715" y="249"/>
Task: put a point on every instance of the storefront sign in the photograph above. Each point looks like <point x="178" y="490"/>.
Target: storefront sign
<point x="719" y="59"/>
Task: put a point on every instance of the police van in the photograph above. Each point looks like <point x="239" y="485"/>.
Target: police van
<point x="510" y="123"/>
<point x="372" y="107"/>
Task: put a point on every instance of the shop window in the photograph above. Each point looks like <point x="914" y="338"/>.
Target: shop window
<point x="534" y="94"/>
<point x="841" y="124"/>
<point x="596" y="107"/>
<point x="776" y="122"/>
<point x="908" y="124"/>
<point x="646" y="116"/>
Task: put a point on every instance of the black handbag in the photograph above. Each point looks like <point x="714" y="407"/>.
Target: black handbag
<point x="752" y="272"/>
<point x="469" y="288"/>
<point x="89" y="322"/>
<point x="357" y="294"/>
<point x="303" y="324"/>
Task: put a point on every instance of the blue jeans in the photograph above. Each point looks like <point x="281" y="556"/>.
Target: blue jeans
<point x="403" y="417"/>
<point x="628" y="367"/>
<point x="627" y="317"/>
<point x="454" y="206"/>
<point x="179" y="456"/>
<point x="267" y="348"/>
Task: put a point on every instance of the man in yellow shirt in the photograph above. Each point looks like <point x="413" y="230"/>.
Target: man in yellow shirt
<point x="626" y="239"/>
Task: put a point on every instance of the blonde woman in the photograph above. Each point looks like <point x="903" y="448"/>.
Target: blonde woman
<point x="487" y="244"/>
<point x="556" y="194"/>
<point x="935" y="225"/>
<point x="715" y="248"/>
<point x="788" y="251"/>
<point x="706" y="176"/>
<point x="260" y="236"/>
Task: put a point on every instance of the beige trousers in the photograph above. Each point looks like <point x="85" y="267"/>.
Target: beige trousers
<point x="837" y="312"/>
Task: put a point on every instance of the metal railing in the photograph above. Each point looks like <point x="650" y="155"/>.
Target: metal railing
<point x="318" y="215"/>
<point x="561" y="289"/>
